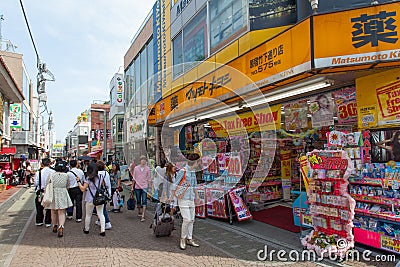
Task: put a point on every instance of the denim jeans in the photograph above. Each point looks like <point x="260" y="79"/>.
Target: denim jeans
<point x="141" y="197"/>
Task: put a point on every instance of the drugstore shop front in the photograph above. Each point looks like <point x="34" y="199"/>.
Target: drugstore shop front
<point x="318" y="94"/>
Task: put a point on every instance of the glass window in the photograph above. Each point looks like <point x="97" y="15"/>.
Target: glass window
<point x="25" y="118"/>
<point x="144" y="97"/>
<point x="138" y="102"/>
<point x="137" y="73"/>
<point x="227" y="18"/>
<point x="150" y="73"/>
<point x="143" y="66"/>
<point x="177" y="55"/>
<point x="195" y="38"/>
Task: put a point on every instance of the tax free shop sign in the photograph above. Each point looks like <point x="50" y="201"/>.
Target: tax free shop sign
<point x="253" y="121"/>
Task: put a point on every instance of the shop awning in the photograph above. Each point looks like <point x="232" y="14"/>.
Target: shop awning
<point x="95" y="153"/>
<point x="8" y="151"/>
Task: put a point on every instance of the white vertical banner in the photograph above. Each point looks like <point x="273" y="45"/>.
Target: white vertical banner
<point x="15" y="116"/>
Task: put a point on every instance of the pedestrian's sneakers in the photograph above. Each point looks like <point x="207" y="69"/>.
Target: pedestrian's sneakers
<point x="192" y="243"/>
<point x="69" y="217"/>
<point x="78" y="220"/>
<point x="48" y="225"/>
<point x="108" y="226"/>
<point x="182" y="245"/>
<point x="97" y="222"/>
<point x="38" y="224"/>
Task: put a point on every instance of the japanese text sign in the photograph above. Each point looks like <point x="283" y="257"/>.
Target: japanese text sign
<point x="358" y="36"/>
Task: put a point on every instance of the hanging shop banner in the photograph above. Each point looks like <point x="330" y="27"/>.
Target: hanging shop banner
<point x="241" y="210"/>
<point x="118" y="84"/>
<point x="296" y="115"/>
<point x="321" y="108"/>
<point x="304" y="170"/>
<point x="235" y="166"/>
<point x="216" y="203"/>
<point x="378" y="100"/>
<point x="346" y="105"/>
<point x="15" y="116"/>
<point x="259" y="120"/>
<point x="136" y="127"/>
<point x="358" y="36"/>
<point x="200" y="209"/>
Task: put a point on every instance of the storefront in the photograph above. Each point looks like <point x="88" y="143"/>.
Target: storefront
<point x="342" y="97"/>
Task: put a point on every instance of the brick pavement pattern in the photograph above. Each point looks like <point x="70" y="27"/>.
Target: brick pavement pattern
<point x="129" y="243"/>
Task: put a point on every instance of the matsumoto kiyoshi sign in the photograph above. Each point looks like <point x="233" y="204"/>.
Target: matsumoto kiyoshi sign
<point x="357" y="36"/>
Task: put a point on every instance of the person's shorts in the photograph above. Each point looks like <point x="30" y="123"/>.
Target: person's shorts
<point x="141" y="197"/>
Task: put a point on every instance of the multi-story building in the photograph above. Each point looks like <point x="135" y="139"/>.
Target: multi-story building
<point x="116" y="117"/>
<point x="77" y="139"/>
<point x="25" y="120"/>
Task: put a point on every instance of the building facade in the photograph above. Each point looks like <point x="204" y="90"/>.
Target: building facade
<point x="117" y="116"/>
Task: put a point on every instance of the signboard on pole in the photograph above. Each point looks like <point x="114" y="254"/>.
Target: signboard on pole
<point x="15" y="116"/>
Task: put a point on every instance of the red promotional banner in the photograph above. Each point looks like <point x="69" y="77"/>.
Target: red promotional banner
<point x="346" y="104"/>
<point x="239" y="206"/>
<point x="200" y="209"/>
<point x="235" y="166"/>
<point x="216" y="203"/>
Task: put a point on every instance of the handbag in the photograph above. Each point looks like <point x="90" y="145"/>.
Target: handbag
<point x="101" y="195"/>
<point x="182" y="187"/>
<point x="130" y="204"/>
<point x="40" y="191"/>
<point x="48" y="193"/>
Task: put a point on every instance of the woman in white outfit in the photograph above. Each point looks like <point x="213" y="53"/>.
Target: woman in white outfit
<point x="61" y="200"/>
<point x="92" y="182"/>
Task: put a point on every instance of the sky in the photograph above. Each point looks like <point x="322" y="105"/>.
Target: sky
<point x="83" y="43"/>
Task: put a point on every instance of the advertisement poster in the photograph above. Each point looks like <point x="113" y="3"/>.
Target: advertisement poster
<point x="200" y="209"/>
<point x="389" y="103"/>
<point x="189" y="133"/>
<point x="321" y="108"/>
<point x="235" y="166"/>
<point x="266" y="14"/>
<point x="367" y="116"/>
<point x="216" y="203"/>
<point x="346" y="105"/>
<point x="239" y="206"/>
<point x="296" y="115"/>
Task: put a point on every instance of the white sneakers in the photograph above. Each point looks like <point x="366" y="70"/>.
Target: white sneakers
<point x="108" y="225"/>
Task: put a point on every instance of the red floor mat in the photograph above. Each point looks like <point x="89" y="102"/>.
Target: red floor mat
<point x="279" y="216"/>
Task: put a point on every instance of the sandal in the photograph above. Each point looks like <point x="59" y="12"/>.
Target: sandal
<point x="55" y="227"/>
<point x="142" y="220"/>
<point x="60" y="231"/>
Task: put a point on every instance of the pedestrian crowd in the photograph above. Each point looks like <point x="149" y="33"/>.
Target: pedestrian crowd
<point x="64" y="188"/>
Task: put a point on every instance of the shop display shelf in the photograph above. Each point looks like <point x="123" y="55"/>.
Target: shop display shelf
<point x="377" y="200"/>
<point x="377" y="240"/>
<point x="365" y="183"/>
<point x="270" y="183"/>
<point x="395" y="219"/>
<point x="325" y="205"/>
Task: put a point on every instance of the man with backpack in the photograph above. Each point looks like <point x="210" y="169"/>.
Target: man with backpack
<point x="74" y="192"/>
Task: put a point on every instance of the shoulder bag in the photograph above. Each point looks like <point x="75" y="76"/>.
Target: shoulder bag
<point x="48" y="192"/>
<point x="101" y="195"/>
<point x="182" y="187"/>
<point x="130" y="204"/>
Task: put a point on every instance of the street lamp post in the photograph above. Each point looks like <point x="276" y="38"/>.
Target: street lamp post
<point x="105" y="129"/>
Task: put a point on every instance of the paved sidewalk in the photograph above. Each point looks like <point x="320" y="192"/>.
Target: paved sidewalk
<point x="129" y="243"/>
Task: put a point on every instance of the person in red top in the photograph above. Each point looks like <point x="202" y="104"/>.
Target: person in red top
<point x="141" y="178"/>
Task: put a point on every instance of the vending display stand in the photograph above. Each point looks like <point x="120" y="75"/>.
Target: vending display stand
<point x="331" y="206"/>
